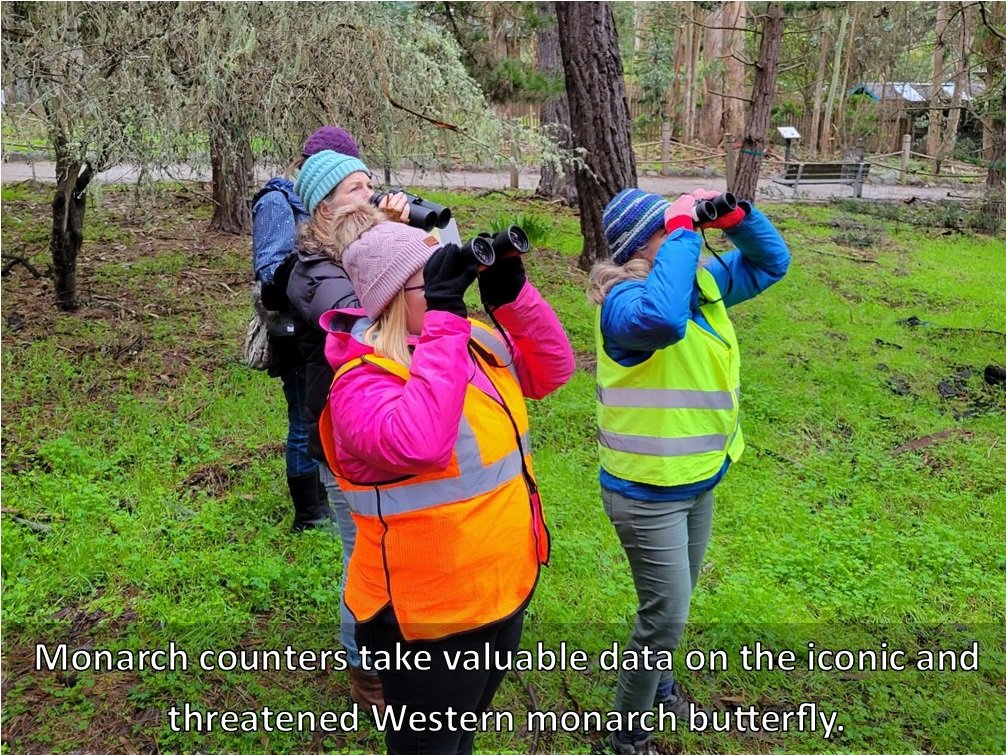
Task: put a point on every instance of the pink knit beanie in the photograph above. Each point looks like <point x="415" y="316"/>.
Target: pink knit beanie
<point x="382" y="260"/>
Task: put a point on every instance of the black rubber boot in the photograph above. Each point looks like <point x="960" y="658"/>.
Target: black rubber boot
<point x="310" y="503"/>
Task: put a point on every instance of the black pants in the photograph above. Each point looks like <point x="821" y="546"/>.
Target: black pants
<point x="439" y="688"/>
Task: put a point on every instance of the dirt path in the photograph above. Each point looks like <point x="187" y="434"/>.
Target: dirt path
<point x="665" y="185"/>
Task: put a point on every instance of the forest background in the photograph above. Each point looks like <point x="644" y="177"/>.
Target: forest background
<point x="142" y="470"/>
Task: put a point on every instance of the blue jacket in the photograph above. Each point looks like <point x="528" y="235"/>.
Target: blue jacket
<point x="640" y="317"/>
<point x="276" y="211"/>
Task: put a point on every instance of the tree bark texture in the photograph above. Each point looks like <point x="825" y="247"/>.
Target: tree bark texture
<point x="753" y="145"/>
<point x="734" y="18"/>
<point x="554" y="112"/>
<point x="68" y="207"/>
<point x="599" y="115"/>
<point x="822" y="67"/>
<point x="824" y="143"/>
<point x="935" y="134"/>
<point x="711" y="115"/>
<point x="232" y="168"/>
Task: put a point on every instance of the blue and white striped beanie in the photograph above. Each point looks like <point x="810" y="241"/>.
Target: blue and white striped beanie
<point x="630" y="220"/>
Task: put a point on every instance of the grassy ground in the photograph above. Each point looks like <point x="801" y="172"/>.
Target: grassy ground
<point x="144" y="499"/>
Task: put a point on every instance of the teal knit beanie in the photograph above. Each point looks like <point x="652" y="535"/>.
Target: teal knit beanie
<point x="321" y="173"/>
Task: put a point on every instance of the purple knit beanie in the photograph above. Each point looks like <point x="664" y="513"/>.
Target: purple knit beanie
<point x="333" y="138"/>
<point x="382" y="260"/>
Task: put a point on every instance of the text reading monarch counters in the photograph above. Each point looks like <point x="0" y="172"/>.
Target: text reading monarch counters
<point x="173" y="658"/>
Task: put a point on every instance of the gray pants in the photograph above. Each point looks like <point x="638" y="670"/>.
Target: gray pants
<point x="665" y="543"/>
<point x="347" y="533"/>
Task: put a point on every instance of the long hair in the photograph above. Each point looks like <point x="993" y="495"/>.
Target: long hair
<point x="604" y="276"/>
<point x="332" y="236"/>
<point x="389" y="333"/>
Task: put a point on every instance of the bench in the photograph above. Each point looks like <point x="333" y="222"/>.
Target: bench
<point x="851" y="174"/>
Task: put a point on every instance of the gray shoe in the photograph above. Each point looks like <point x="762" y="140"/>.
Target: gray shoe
<point x="677" y="703"/>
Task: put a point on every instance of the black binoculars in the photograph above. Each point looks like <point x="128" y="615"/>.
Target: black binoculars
<point x="707" y="210"/>
<point x="486" y="247"/>
<point x="423" y="213"/>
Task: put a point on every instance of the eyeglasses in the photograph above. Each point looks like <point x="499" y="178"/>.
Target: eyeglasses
<point x="420" y="287"/>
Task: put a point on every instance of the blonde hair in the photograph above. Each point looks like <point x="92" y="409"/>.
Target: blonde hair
<point x="604" y="276"/>
<point x="389" y="333"/>
<point x="331" y="236"/>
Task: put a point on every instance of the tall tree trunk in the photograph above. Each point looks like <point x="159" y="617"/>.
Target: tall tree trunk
<point x="599" y="115"/>
<point x="845" y="75"/>
<point x="935" y="134"/>
<point x="691" y="32"/>
<point x="824" y="144"/>
<point x="735" y="19"/>
<point x="949" y="143"/>
<point x="232" y="166"/>
<point x="813" y="138"/>
<point x="710" y="119"/>
<point x="993" y="49"/>
<point x="753" y="145"/>
<point x="68" y="207"/>
<point x="554" y="112"/>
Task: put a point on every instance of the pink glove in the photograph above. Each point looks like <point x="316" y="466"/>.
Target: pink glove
<point x="679" y="214"/>
<point x="729" y="220"/>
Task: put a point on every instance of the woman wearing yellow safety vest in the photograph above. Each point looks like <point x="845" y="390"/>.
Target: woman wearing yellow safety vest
<point x="668" y="387"/>
<point x="430" y="446"/>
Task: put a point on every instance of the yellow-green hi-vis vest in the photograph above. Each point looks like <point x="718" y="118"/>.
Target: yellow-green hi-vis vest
<point x="674" y="418"/>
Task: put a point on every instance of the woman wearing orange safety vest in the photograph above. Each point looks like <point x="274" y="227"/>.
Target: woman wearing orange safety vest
<point x="427" y="432"/>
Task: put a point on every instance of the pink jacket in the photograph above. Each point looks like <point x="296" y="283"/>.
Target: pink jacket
<point x="384" y="428"/>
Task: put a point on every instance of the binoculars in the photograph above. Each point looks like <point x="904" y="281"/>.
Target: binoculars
<point x="423" y="213"/>
<point x="486" y="247"/>
<point x="707" y="210"/>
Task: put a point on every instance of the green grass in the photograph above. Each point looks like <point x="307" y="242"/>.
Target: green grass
<point x="149" y="461"/>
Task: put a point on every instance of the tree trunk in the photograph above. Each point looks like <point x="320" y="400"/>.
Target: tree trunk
<point x="753" y="145"/>
<point x="554" y="112"/>
<point x="813" y="137"/>
<point x="599" y="115"/>
<point x="691" y="32"/>
<point x="824" y="143"/>
<point x="935" y="134"/>
<point x="994" y="206"/>
<point x="711" y="116"/>
<point x="232" y="166"/>
<point x="845" y="75"/>
<point x="949" y="143"/>
<point x="68" y="207"/>
<point x="734" y="17"/>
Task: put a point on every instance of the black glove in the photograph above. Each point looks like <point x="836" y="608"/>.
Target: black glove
<point x="447" y="275"/>
<point x="500" y="283"/>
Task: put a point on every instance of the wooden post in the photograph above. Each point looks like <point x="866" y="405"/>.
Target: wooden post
<point x="728" y="146"/>
<point x="906" y="151"/>
<point x="514" y="158"/>
<point x="665" y="146"/>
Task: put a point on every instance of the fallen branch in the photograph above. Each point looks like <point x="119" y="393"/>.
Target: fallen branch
<point x="845" y="257"/>
<point x="42" y="529"/>
<point x="928" y="440"/>
<point x="15" y="260"/>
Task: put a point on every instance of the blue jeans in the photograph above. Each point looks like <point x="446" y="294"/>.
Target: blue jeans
<point x="347" y="533"/>
<point x="295" y="389"/>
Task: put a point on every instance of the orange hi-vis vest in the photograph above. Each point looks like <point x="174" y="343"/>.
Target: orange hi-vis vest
<point x="458" y="548"/>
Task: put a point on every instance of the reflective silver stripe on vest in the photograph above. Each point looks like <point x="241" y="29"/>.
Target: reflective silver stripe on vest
<point x="474" y="480"/>
<point x="492" y="343"/>
<point x="661" y="398"/>
<point x="644" y="444"/>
